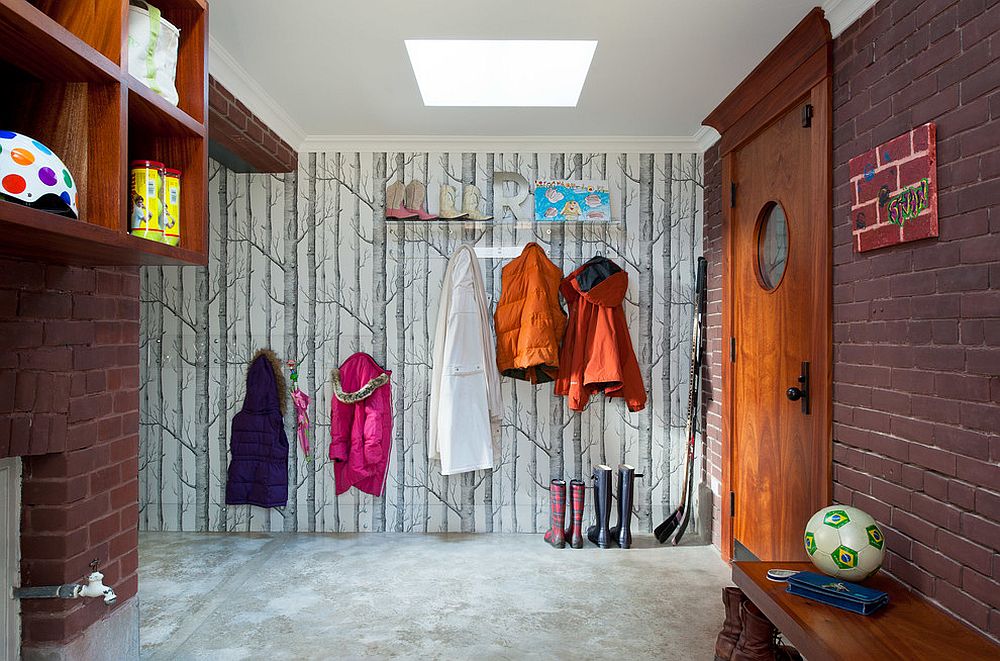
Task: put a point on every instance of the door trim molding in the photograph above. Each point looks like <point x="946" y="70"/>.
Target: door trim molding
<point x="799" y="67"/>
<point x="800" y="61"/>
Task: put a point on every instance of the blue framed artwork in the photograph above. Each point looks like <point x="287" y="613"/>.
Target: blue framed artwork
<point x="559" y="200"/>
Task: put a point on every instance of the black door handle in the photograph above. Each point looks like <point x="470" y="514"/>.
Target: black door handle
<point x="801" y="392"/>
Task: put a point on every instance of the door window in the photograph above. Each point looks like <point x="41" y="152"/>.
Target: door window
<point x="772" y="245"/>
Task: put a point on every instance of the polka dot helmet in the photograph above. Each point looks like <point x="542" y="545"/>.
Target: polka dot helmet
<point x="32" y="175"/>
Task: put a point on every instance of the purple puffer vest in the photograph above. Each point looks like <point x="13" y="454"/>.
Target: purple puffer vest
<point x="258" y="467"/>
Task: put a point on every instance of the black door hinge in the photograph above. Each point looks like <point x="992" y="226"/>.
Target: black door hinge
<point x="732" y="194"/>
<point x="732" y="349"/>
<point x="732" y="503"/>
<point x="807" y="116"/>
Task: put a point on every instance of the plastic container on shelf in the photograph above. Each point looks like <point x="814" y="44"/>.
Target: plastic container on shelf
<point x="152" y="50"/>
<point x="145" y="191"/>
<point x="171" y="206"/>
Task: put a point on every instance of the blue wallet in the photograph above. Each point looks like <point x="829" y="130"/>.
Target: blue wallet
<point x="842" y="594"/>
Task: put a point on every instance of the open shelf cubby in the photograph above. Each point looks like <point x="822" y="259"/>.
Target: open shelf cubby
<point x="66" y="85"/>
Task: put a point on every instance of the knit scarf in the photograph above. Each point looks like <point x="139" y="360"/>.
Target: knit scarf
<point x="358" y="395"/>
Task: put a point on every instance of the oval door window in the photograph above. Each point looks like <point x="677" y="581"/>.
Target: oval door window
<point x="772" y="245"/>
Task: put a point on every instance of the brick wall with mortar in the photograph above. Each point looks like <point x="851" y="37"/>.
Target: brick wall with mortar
<point x="917" y="326"/>
<point x="712" y="370"/>
<point x="239" y="131"/>
<point x="69" y="405"/>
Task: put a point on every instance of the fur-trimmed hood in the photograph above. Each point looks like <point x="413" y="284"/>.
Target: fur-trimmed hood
<point x="362" y="393"/>
<point x="267" y="388"/>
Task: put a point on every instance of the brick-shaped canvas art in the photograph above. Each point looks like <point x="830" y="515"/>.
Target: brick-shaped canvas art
<point x="894" y="191"/>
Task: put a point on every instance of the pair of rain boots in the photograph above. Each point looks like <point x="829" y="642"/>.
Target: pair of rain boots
<point x="747" y="634"/>
<point x="407" y="202"/>
<point x="601" y="533"/>
<point x="558" y="535"/>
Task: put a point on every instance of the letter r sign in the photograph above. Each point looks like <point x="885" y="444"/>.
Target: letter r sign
<point x="510" y="190"/>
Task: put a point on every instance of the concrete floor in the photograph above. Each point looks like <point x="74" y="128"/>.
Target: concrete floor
<point x="484" y="596"/>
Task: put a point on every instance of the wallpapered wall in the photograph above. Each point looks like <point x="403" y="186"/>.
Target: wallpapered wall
<point x="306" y="263"/>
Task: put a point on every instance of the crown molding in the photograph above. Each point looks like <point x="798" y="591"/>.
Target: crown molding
<point x="504" y="143"/>
<point x="841" y="14"/>
<point x="705" y="137"/>
<point x="228" y="71"/>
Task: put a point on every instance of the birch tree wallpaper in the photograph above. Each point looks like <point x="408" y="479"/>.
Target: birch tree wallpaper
<point x="307" y="264"/>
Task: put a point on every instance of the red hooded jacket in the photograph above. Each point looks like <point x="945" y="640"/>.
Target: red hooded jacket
<point x="597" y="352"/>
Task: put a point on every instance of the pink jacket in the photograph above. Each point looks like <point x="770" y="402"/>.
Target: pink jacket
<point x="361" y="424"/>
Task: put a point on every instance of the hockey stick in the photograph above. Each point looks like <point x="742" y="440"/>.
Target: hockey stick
<point x="693" y="420"/>
<point x="679" y="518"/>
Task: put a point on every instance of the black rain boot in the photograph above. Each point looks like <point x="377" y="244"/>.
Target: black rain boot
<point x="599" y="533"/>
<point x="622" y="532"/>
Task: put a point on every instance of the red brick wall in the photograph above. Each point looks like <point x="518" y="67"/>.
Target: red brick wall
<point x="69" y="404"/>
<point x="239" y="131"/>
<point x="917" y="326"/>
<point x="712" y="371"/>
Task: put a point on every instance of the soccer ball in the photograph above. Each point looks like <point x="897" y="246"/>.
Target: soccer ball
<point x="844" y="542"/>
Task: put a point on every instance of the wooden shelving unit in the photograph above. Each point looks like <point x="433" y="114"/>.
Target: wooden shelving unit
<point x="65" y="83"/>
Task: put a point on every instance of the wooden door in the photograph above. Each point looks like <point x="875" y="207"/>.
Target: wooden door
<point x="777" y="295"/>
<point x="780" y="253"/>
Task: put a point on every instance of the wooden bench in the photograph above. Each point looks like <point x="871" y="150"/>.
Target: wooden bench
<point x="907" y="628"/>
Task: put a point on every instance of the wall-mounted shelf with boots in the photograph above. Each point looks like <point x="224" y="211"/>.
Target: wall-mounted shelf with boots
<point x="519" y="224"/>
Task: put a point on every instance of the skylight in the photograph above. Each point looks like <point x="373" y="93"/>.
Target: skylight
<point x="536" y="73"/>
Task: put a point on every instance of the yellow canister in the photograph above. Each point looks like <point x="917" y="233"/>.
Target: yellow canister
<point x="147" y="206"/>
<point x="171" y="206"/>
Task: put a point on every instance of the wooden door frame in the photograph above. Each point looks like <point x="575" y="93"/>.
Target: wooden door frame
<point x="799" y="67"/>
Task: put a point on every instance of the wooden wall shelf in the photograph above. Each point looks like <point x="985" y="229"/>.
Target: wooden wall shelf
<point x="66" y="84"/>
<point x="34" y="234"/>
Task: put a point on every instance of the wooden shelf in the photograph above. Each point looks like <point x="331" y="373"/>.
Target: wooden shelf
<point x="168" y="5"/>
<point x="907" y="628"/>
<point x="32" y="41"/>
<point x="34" y="234"/>
<point x="151" y="111"/>
<point x="64" y="70"/>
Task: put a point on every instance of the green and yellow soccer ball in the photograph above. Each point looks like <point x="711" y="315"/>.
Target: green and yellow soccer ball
<point x="844" y="542"/>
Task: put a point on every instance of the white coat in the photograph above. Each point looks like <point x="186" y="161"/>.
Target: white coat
<point x="466" y="407"/>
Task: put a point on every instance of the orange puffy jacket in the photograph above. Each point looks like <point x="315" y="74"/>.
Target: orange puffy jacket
<point x="529" y="320"/>
<point x="597" y="353"/>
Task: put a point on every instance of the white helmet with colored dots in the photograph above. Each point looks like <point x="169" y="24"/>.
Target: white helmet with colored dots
<point x="32" y="175"/>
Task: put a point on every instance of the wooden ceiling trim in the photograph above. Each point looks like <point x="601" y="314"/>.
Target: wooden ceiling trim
<point x="802" y="59"/>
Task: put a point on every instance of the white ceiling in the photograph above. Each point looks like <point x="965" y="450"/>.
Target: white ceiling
<point x="316" y="69"/>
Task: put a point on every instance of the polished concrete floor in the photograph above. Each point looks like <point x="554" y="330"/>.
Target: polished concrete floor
<point x="482" y="596"/>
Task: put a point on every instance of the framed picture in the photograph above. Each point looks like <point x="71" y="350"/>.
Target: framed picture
<point x="560" y="200"/>
<point x="894" y="191"/>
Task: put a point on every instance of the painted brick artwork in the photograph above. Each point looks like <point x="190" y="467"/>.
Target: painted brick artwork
<point x="894" y="191"/>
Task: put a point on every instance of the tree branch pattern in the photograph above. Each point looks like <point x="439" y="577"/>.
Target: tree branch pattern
<point x="306" y="263"/>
